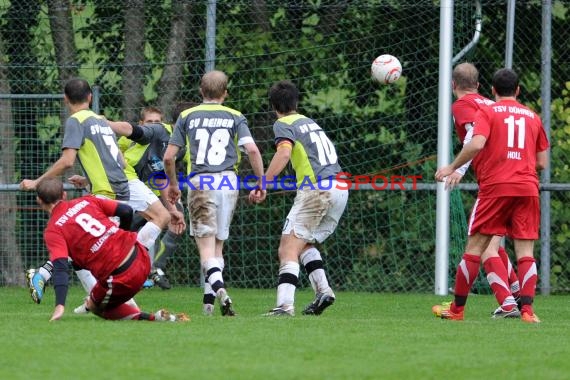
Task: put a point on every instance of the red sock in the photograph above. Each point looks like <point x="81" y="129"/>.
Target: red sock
<point x="513" y="279"/>
<point x="465" y="276"/>
<point x="528" y="278"/>
<point x="498" y="279"/>
<point x="122" y="311"/>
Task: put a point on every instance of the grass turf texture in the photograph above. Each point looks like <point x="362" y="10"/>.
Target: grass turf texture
<point x="362" y="336"/>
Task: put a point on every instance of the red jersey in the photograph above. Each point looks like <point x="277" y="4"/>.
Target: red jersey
<point x="81" y="229"/>
<point x="464" y="110"/>
<point x="506" y="166"/>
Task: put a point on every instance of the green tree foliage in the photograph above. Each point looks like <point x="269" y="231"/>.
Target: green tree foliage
<point x="560" y="150"/>
<point x="326" y="47"/>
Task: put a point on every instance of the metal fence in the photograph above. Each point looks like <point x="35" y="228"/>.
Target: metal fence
<point x="153" y="53"/>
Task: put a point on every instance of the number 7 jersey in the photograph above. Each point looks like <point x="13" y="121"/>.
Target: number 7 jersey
<point x="214" y="133"/>
<point x="98" y="154"/>
<point x="313" y="156"/>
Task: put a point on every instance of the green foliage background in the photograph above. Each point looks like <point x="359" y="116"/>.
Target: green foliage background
<point x="385" y="241"/>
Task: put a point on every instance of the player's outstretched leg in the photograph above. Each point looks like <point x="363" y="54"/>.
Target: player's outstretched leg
<point x="36" y="285"/>
<point x="37" y="280"/>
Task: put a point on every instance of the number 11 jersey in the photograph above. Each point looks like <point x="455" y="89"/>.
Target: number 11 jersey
<point x="506" y="166"/>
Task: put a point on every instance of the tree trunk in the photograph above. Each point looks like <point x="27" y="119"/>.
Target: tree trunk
<point x="11" y="269"/>
<point x="62" y="33"/>
<point x="177" y="45"/>
<point x="330" y="16"/>
<point x="133" y="68"/>
<point x="260" y="15"/>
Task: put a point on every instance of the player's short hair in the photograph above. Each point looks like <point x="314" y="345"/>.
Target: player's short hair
<point x="284" y="96"/>
<point x="50" y="190"/>
<point x="505" y="82"/>
<point x="214" y="84"/>
<point x="150" y="109"/>
<point x="466" y="76"/>
<point x="180" y="107"/>
<point x="77" y="90"/>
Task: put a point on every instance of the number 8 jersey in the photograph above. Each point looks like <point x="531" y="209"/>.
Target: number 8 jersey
<point x="214" y="134"/>
<point x="81" y="229"/>
<point x="313" y="156"/>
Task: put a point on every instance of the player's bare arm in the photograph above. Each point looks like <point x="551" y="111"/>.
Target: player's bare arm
<point x="177" y="223"/>
<point x="169" y="161"/>
<point x="65" y="162"/>
<point x="257" y="164"/>
<point x="279" y="160"/>
<point x="278" y="163"/>
<point x="121" y="128"/>
<point x="78" y="181"/>
<point x="57" y="313"/>
<point x="541" y="160"/>
<point x="469" y="151"/>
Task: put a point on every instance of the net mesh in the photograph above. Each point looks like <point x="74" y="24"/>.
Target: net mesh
<point x="142" y="53"/>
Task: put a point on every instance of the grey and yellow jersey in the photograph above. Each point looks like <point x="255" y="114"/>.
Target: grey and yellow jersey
<point x="98" y="154"/>
<point x="146" y="153"/>
<point x="313" y="156"/>
<point x="213" y="134"/>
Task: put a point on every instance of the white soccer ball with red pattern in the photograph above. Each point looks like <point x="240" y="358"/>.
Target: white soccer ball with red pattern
<point x="386" y="69"/>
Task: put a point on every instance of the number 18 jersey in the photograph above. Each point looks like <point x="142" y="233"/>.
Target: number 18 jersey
<point x="313" y="156"/>
<point x="214" y="133"/>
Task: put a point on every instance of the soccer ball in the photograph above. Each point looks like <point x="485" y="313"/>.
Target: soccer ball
<point x="386" y="69"/>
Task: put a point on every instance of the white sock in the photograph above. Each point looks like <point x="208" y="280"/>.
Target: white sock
<point x="215" y="275"/>
<point x="86" y="279"/>
<point x="515" y="287"/>
<point x="151" y="252"/>
<point x="208" y="289"/>
<point x="317" y="277"/>
<point x="221" y="263"/>
<point x="46" y="275"/>
<point x="510" y="300"/>
<point x="286" y="290"/>
<point x="147" y="235"/>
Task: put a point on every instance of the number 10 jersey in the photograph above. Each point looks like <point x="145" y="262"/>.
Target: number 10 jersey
<point x="313" y="156"/>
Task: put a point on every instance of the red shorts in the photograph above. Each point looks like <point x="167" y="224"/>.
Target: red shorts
<point x="120" y="287"/>
<point x="516" y="217"/>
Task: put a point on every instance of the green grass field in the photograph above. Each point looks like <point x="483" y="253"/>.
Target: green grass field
<point x="362" y="336"/>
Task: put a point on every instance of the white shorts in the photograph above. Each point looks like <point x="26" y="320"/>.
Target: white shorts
<point x="316" y="213"/>
<point x="141" y="197"/>
<point x="211" y="210"/>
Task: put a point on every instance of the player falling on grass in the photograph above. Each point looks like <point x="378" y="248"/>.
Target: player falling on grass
<point x="318" y="205"/>
<point x="465" y="85"/>
<point x="144" y="158"/>
<point x="81" y="230"/>
<point x="91" y="138"/>
<point x="508" y="146"/>
<point x="214" y="134"/>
